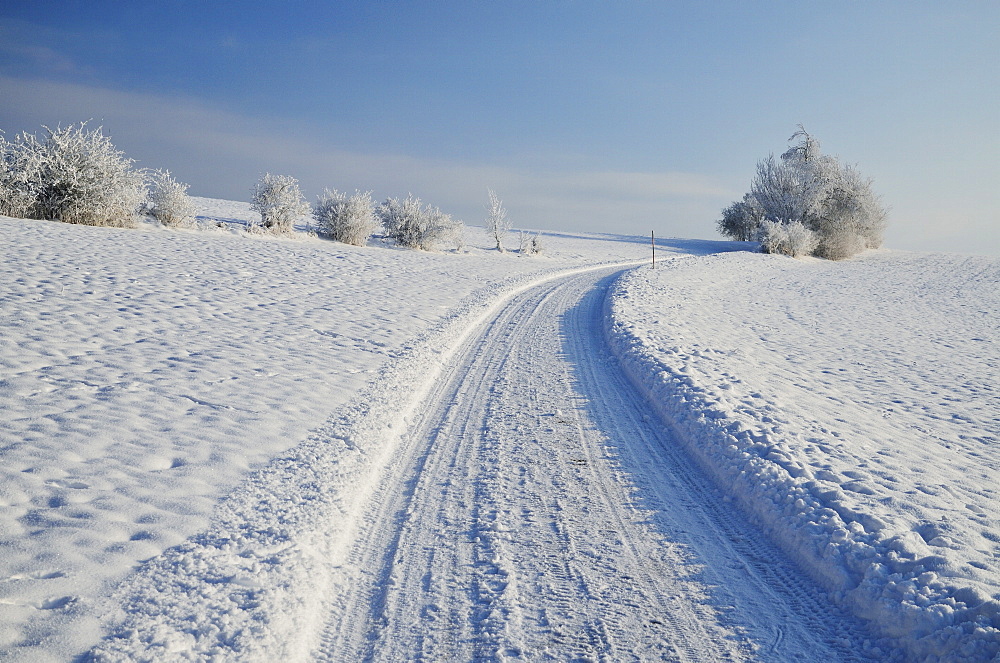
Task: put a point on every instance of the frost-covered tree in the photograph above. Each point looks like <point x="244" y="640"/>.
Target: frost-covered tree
<point x="402" y="220"/>
<point x="167" y="200"/>
<point x="347" y="219"/>
<point x="279" y="201"/>
<point x="851" y="217"/>
<point x="498" y="224"/>
<point x="71" y="174"/>
<point x="834" y="202"/>
<point x="742" y="219"/>
<point x="411" y="224"/>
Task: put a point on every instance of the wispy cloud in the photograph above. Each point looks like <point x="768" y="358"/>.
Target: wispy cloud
<point x="27" y="47"/>
<point x="222" y="154"/>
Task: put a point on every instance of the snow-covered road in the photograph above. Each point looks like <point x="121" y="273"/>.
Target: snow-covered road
<point x="535" y="510"/>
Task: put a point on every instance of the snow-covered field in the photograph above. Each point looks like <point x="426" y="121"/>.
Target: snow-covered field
<point x="143" y="373"/>
<point x="312" y="450"/>
<point x="854" y="409"/>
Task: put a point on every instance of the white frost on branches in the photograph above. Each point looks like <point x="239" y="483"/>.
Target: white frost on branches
<point x="347" y="219"/>
<point x="167" y="200"/>
<point x="71" y="174"/>
<point x="498" y="224"/>
<point x="529" y="244"/>
<point x="16" y="195"/>
<point x="831" y="202"/>
<point x="279" y="201"/>
<point x="790" y="239"/>
<point x="410" y="224"/>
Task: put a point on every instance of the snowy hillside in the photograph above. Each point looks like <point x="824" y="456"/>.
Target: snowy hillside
<point x="144" y="372"/>
<point x="231" y="446"/>
<point x="854" y="409"/>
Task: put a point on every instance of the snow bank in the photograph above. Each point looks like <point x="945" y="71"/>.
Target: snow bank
<point x="852" y="410"/>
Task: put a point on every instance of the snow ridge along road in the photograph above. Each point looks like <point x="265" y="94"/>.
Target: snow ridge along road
<point x="534" y="511"/>
<point x="521" y="505"/>
<point x="852" y="408"/>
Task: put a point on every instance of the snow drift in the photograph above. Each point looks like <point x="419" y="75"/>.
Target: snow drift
<point x="851" y="409"/>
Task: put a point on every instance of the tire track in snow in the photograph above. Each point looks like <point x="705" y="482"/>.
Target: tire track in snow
<point x="536" y="512"/>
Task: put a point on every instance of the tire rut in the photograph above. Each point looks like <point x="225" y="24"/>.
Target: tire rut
<point x="535" y="511"/>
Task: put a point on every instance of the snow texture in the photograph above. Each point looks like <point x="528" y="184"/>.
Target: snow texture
<point x="852" y="410"/>
<point x="145" y="373"/>
<point x="197" y="424"/>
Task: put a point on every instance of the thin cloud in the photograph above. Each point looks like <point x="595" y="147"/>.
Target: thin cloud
<point x="222" y="154"/>
<point x="26" y="47"/>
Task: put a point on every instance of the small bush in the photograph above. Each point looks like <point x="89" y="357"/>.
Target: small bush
<point x="347" y="219"/>
<point x="790" y="239"/>
<point x="412" y="225"/>
<point x="529" y="244"/>
<point x="536" y="245"/>
<point x="453" y="233"/>
<point x="167" y="200"/>
<point x="279" y="201"/>
<point x="73" y="175"/>
<point x="16" y="197"/>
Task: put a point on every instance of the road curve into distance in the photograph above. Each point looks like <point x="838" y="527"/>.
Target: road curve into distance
<point x="538" y="510"/>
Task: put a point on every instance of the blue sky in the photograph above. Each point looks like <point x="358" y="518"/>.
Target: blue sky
<point x="603" y="116"/>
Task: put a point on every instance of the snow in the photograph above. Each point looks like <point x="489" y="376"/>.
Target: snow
<point x="852" y="408"/>
<point x="210" y="437"/>
<point x="144" y="373"/>
<point x="497" y="492"/>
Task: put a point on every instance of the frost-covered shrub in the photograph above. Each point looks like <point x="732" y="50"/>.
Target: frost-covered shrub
<point x="453" y="233"/>
<point x="279" y="201"/>
<point x="807" y="187"/>
<point x="536" y="246"/>
<point x="167" y="200"/>
<point x="497" y="222"/>
<point x="402" y="220"/>
<point x="410" y="224"/>
<point x="790" y="239"/>
<point x="529" y="244"/>
<point x="73" y="175"/>
<point x="347" y="219"/>
<point x="16" y="197"/>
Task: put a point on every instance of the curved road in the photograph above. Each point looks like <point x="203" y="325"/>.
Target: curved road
<point x="537" y="512"/>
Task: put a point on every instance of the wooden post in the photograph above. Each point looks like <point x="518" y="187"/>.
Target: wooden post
<point x="652" y="244"/>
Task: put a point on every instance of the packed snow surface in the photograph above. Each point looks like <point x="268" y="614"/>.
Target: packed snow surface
<point x="144" y="373"/>
<point x="853" y="409"/>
